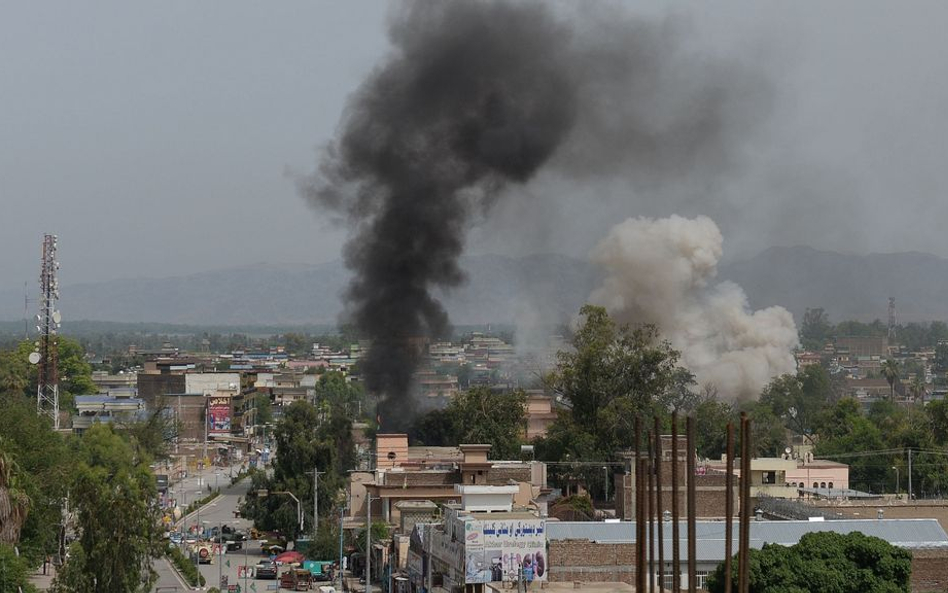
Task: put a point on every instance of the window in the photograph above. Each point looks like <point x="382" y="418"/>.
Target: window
<point x="822" y="484"/>
<point x="816" y="484"/>
<point x="831" y="485"/>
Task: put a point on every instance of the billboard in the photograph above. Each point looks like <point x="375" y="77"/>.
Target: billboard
<point x="218" y="415"/>
<point x="505" y="550"/>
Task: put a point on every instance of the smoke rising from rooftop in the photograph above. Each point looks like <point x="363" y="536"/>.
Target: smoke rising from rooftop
<point x="474" y="100"/>
<point x="662" y="271"/>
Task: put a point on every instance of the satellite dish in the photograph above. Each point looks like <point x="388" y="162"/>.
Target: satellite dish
<point x="34" y="357"/>
<point x="57" y="317"/>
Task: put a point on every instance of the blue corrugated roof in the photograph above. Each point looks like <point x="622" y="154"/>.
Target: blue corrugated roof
<point x="709" y="541"/>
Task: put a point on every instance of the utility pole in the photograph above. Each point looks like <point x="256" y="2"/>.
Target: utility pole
<point x="368" y="543"/>
<point x="220" y="554"/>
<point x="910" y="474"/>
<point x="342" y="512"/>
<point x="316" y="473"/>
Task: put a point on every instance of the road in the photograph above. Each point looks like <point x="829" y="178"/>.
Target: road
<point x="219" y="511"/>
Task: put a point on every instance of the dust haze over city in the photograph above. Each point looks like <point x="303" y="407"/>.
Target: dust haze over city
<point x="423" y="295"/>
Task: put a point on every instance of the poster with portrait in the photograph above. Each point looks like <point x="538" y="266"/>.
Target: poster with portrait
<point x="218" y="415"/>
<point x="505" y="550"/>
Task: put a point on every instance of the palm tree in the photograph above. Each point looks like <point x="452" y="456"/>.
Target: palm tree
<point x="890" y="370"/>
<point x="14" y="503"/>
<point x="918" y="387"/>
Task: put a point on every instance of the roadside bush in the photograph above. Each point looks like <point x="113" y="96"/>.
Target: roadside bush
<point x="184" y="565"/>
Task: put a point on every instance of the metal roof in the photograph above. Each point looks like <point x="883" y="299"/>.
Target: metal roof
<point x="709" y="543"/>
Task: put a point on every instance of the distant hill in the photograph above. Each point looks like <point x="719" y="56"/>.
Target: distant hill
<point x="499" y="289"/>
<point x="846" y="286"/>
<point x="507" y="290"/>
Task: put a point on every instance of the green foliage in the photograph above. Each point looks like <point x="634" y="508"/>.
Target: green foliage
<point x="112" y="492"/>
<point x="380" y="531"/>
<point x="815" y="330"/>
<point x="185" y="566"/>
<point x="44" y="465"/>
<point x="477" y="416"/>
<point x="827" y="562"/>
<point x="14" y="572"/>
<point x="306" y="439"/>
<point x="339" y="396"/>
<point x="891" y="371"/>
<point x="264" y="407"/>
<point x="799" y="400"/>
<point x="611" y="375"/>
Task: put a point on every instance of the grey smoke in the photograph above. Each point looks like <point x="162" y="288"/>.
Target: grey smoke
<point x="473" y="101"/>
<point x="662" y="272"/>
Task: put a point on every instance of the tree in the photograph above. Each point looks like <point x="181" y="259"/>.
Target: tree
<point x="14" y="571"/>
<point x="305" y="441"/>
<point x="14" y="502"/>
<point x="800" y="399"/>
<point x="45" y="467"/>
<point x="845" y="430"/>
<point x="113" y="494"/>
<point x="825" y="561"/>
<point x="611" y="375"/>
<point x="890" y="370"/>
<point x="815" y="329"/>
<point x="477" y="416"/>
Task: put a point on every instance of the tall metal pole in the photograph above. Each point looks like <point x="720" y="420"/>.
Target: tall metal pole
<point x="220" y="554"/>
<point x="650" y="511"/>
<point x="692" y="511"/>
<point x="676" y="555"/>
<point x="315" y="501"/>
<point x="744" y="549"/>
<point x="658" y="503"/>
<point x="368" y="543"/>
<point x="910" y="474"/>
<point x="640" y="567"/>
<point x="729" y="509"/>
<point x="341" y="569"/>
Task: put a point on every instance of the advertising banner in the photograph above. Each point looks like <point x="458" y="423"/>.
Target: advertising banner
<point x="218" y="415"/>
<point x="505" y="550"/>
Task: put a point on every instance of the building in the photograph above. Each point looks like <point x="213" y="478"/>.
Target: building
<point x="593" y="551"/>
<point x="93" y="409"/>
<point x="540" y="415"/>
<point x="484" y="539"/>
<point x="404" y="473"/>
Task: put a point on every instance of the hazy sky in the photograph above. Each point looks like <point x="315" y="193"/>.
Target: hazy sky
<point x="162" y="138"/>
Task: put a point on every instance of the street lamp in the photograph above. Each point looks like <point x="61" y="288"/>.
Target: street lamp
<point x="299" y="507"/>
<point x="605" y="475"/>
<point x="896" y="479"/>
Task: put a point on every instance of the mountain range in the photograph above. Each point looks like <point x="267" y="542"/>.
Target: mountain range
<point x="502" y="289"/>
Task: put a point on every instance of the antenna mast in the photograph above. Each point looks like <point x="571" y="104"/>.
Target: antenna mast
<point x="891" y="335"/>
<point x="47" y="390"/>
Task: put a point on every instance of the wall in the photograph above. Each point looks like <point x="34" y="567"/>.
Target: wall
<point x="709" y="493"/>
<point x="583" y="560"/>
<point x="929" y="571"/>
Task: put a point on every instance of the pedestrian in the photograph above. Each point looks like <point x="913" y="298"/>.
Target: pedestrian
<point x="45" y="563"/>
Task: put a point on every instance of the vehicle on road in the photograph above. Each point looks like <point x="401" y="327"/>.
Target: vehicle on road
<point x="266" y="570"/>
<point x="296" y="579"/>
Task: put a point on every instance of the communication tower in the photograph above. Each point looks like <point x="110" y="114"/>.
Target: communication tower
<point x="891" y="319"/>
<point x="47" y="346"/>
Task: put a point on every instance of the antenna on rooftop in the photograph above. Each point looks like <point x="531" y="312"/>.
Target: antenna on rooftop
<point x="47" y="347"/>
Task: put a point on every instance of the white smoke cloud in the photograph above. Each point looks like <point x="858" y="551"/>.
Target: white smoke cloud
<point x="661" y="271"/>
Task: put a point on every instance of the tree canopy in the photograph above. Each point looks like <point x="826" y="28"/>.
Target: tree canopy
<point x="827" y="562"/>
<point x="113" y="493"/>
<point x="610" y="375"/>
<point x="477" y="416"/>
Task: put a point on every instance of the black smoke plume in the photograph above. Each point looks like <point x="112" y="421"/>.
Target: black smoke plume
<point x="477" y="97"/>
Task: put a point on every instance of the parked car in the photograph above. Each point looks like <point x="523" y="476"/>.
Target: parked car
<point x="266" y="570"/>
